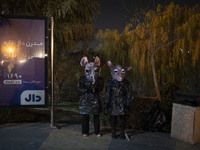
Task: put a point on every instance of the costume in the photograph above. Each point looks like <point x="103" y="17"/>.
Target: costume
<point x="89" y="87"/>
<point x="117" y="97"/>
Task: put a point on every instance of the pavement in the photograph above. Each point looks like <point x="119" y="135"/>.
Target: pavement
<point x="40" y="136"/>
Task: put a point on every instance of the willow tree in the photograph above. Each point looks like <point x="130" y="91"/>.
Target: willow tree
<point x="176" y="49"/>
<point x="72" y="24"/>
<point x="113" y="46"/>
<point x="157" y="36"/>
<point x="186" y="50"/>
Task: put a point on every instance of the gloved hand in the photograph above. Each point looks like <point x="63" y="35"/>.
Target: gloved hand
<point x="89" y="87"/>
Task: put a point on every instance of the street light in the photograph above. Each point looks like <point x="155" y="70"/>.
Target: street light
<point x="8" y="50"/>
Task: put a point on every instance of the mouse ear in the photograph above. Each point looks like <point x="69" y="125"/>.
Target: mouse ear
<point x="97" y="61"/>
<point x="110" y="64"/>
<point x="128" y="68"/>
<point x="84" y="61"/>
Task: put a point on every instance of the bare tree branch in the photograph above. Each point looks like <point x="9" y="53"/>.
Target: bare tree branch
<point x="166" y="45"/>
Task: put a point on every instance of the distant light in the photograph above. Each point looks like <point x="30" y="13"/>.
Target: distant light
<point x="22" y="61"/>
<point x="10" y="50"/>
<point x="2" y="62"/>
<point x="40" y="55"/>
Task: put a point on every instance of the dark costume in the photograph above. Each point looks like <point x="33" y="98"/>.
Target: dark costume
<point x="117" y="97"/>
<point x="89" y="95"/>
<point x="90" y="103"/>
<point x="89" y="87"/>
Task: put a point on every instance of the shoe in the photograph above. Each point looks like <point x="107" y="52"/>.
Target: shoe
<point x="85" y="135"/>
<point x="98" y="135"/>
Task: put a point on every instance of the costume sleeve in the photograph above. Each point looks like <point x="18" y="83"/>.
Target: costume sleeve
<point x="83" y="87"/>
<point x="128" y="94"/>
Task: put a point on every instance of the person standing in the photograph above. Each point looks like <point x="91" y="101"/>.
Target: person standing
<point x="117" y="98"/>
<point x="89" y="87"/>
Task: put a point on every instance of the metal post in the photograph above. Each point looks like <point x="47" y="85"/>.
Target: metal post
<point x="52" y="78"/>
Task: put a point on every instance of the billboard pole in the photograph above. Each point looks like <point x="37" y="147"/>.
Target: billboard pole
<point x="52" y="81"/>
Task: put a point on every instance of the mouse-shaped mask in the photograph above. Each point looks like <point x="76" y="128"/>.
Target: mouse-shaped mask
<point x="118" y="72"/>
<point x="91" y="68"/>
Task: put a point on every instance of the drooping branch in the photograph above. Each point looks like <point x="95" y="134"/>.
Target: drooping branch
<point x="163" y="46"/>
<point x="142" y="41"/>
<point x="153" y="19"/>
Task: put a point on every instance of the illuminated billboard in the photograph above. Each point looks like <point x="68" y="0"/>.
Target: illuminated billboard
<point x="23" y="63"/>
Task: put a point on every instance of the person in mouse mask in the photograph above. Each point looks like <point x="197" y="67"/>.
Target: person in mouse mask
<point x="117" y="97"/>
<point x="89" y="87"/>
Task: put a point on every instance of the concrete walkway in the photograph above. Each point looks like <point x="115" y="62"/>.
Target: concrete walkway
<point x="40" y="136"/>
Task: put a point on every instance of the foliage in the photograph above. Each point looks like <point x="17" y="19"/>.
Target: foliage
<point x="168" y="92"/>
<point x="175" y="63"/>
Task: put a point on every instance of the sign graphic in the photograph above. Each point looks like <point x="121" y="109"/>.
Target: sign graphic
<point x="34" y="97"/>
<point x="22" y="61"/>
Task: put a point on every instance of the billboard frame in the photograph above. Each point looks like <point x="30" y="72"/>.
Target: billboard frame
<point x="46" y="51"/>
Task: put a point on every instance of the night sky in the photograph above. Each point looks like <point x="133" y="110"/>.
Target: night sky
<point x="115" y="14"/>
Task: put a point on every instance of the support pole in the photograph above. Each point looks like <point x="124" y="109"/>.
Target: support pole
<point x="52" y="77"/>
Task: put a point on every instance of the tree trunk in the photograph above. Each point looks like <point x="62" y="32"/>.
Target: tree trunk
<point x="155" y="78"/>
<point x="152" y="54"/>
<point x="154" y="68"/>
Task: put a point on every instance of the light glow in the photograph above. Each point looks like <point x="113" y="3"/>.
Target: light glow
<point x="22" y="61"/>
<point x="40" y="55"/>
<point x="10" y="50"/>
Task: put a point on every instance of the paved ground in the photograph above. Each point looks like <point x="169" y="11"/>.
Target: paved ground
<point x="40" y="136"/>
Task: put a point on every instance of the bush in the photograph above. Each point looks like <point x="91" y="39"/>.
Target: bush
<point x="167" y="94"/>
